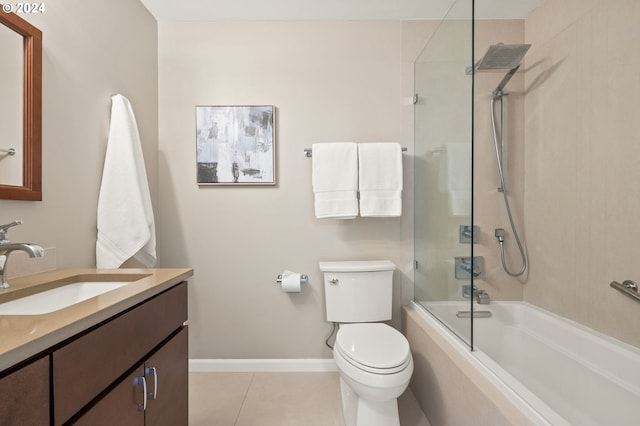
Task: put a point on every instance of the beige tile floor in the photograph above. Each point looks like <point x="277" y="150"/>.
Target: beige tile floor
<point x="276" y="399"/>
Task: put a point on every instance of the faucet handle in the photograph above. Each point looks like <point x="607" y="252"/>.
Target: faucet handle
<point x="5" y="228"/>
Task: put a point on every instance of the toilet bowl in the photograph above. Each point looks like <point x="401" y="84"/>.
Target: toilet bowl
<point x="375" y="367"/>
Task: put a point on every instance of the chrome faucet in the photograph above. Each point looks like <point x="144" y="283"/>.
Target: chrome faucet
<point x="482" y="297"/>
<point x="6" y="247"/>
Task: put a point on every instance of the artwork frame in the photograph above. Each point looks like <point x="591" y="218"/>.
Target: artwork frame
<point x="235" y="145"/>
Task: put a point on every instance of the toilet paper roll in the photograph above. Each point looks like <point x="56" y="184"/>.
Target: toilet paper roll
<point x="290" y="282"/>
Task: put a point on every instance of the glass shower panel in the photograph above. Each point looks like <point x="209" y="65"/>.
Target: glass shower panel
<point x="443" y="174"/>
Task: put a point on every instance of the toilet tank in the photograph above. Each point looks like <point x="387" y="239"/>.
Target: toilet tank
<point x="358" y="291"/>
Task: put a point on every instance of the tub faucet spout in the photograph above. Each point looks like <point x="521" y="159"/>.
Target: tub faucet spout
<point x="482" y="297"/>
<point x="6" y="247"/>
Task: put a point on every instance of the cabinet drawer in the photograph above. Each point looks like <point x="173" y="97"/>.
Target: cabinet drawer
<point x="88" y="365"/>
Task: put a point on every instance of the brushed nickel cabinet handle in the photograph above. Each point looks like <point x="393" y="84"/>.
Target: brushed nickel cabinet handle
<point x="154" y="373"/>
<point x="143" y="382"/>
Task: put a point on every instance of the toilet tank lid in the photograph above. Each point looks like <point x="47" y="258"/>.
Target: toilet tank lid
<point x="357" y="266"/>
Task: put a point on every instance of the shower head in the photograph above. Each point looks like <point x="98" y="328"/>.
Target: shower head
<point x="502" y="57"/>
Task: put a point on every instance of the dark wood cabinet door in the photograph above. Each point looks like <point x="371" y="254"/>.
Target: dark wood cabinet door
<point x="171" y="406"/>
<point x="121" y="406"/>
<point x="24" y="395"/>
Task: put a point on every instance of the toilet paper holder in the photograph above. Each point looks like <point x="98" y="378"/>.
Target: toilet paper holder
<point x="304" y="278"/>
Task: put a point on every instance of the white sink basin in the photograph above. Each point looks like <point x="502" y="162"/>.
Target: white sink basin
<point x="58" y="298"/>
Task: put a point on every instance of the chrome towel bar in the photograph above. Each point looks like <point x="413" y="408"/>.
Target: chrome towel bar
<point x="309" y="152"/>
<point x="628" y="288"/>
<point x="9" y="151"/>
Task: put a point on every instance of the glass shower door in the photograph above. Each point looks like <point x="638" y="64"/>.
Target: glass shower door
<point x="443" y="115"/>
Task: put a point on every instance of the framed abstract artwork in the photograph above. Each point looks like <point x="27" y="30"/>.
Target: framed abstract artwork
<point x="235" y="145"/>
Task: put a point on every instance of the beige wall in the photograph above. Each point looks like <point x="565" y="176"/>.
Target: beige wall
<point x="329" y="81"/>
<point x="582" y="152"/>
<point x="90" y="51"/>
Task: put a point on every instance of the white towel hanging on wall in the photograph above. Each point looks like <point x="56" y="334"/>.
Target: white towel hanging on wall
<point x="126" y="226"/>
<point x="380" y="179"/>
<point x="335" y="180"/>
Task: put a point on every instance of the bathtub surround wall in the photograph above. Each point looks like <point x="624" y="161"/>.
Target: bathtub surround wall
<point x="329" y="81"/>
<point x="581" y="161"/>
<point x="91" y="50"/>
<point x="572" y="159"/>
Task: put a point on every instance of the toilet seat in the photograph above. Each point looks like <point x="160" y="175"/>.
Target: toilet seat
<point x="373" y="347"/>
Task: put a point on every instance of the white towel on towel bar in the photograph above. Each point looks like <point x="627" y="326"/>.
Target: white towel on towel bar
<point x="335" y="180"/>
<point x="380" y="179"/>
<point x="126" y="226"/>
<point x="455" y="177"/>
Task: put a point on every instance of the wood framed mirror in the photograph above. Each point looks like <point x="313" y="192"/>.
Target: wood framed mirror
<point x="30" y="187"/>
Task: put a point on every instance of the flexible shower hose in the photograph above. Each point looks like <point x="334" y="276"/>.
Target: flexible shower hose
<point x="494" y="96"/>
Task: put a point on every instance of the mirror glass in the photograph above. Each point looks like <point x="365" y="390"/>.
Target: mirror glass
<point x="11" y="106"/>
<point x="20" y="109"/>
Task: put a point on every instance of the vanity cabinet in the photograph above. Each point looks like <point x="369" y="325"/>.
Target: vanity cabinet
<point x="166" y="384"/>
<point x="94" y="373"/>
<point x="24" y="395"/>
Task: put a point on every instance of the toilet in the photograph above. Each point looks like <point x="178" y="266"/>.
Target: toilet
<point x="373" y="359"/>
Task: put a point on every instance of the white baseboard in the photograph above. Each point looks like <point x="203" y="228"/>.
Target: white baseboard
<point x="297" y="365"/>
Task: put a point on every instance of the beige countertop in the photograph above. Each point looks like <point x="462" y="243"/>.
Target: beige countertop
<point x="23" y="336"/>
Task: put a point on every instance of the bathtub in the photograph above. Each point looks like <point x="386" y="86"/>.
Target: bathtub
<point x="552" y="370"/>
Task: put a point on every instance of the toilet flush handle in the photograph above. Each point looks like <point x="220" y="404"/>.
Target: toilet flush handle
<point x="334" y="281"/>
